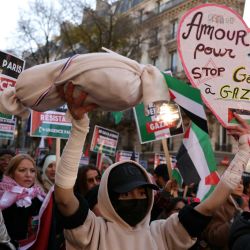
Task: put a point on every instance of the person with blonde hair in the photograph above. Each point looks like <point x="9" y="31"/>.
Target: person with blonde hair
<point x="21" y="199"/>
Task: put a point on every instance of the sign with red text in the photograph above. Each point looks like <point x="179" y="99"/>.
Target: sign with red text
<point x="104" y="140"/>
<point x="214" y="46"/>
<point x="151" y="128"/>
<point x="10" y="68"/>
<point x="49" y="124"/>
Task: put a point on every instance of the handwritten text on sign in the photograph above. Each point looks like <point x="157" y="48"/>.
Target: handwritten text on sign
<point x="214" y="46"/>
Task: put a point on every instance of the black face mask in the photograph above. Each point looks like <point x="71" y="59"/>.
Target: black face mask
<point x="132" y="211"/>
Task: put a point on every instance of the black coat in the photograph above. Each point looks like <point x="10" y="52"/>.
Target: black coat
<point x="240" y="233"/>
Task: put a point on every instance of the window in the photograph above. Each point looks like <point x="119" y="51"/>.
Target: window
<point x="173" y="61"/>
<point x="174" y="29"/>
<point x="158" y="6"/>
<point x="140" y="16"/>
<point x="154" y="37"/>
<point x="223" y="143"/>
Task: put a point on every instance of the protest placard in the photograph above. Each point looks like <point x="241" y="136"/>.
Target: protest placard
<point x="213" y="44"/>
<point x="150" y="128"/>
<point x="105" y="140"/>
<point x="49" y="124"/>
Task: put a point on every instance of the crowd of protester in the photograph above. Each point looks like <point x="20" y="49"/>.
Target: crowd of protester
<point x="119" y="206"/>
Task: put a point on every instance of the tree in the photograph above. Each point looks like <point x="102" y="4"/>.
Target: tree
<point x="102" y="27"/>
<point x="37" y="27"/>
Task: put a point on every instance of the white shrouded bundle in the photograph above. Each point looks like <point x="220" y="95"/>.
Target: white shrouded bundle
<point x="112" y="81"/>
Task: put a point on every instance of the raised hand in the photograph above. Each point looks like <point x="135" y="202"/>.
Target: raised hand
<point x="75" y="104"/>
<point x="238" y="130"/>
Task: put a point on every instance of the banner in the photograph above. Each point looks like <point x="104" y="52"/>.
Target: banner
<point x="105" y="138"/>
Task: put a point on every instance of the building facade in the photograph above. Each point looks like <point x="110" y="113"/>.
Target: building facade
<point x="160" y="20"/>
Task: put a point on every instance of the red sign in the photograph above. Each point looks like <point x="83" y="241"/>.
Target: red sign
<point x="6" y="82"/>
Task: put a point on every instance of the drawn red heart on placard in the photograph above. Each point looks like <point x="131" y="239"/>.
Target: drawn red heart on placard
<point x="214" y="47"/>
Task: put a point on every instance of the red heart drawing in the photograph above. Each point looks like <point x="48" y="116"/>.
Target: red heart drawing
<point x="214" y="47"/>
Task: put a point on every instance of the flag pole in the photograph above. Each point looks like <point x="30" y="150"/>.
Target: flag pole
<point x="167" y="156"/>
<point x="58" y="149"/>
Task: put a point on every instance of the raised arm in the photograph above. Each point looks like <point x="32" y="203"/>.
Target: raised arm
<point x="67" y="169"/>
<point x="233" y="173"/>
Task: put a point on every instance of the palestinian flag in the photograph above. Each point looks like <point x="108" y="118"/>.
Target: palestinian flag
<point x="195" y="159"/>
<point x="196" y="162"/>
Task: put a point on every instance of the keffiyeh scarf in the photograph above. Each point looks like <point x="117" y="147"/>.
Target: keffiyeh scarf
<point x="11" y="192"/>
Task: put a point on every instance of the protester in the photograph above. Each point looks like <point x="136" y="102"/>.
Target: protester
<point x="106" y="162"/>
<point x="21" y="199"/>
<point x="4" y="236"/>
<point x="5" y="156"/>
<point x="126" y="197"/>
<point x="161" y="175"/>
<point x="87" y="178"/>
<point x="216" y="234"/>
<point x="92" y="199"/>
<point x="48" y="172"/>
<point x="239" y="238"/>
<point x="173" y="206"/>
<point x="163" y="197"/>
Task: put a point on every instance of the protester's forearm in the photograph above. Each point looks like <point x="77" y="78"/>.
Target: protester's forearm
<point x="229" y="181"/>
<point x="67" y="169"/>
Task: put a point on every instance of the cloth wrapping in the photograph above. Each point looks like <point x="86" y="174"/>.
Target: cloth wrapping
<point x="112" y="81"/>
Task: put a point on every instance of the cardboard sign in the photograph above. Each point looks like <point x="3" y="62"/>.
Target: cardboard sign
<point x="49" y="124"/>
<point x="214" y="46"/>
<point x="150" y="128"/>
<point x="10" y="68"/>
<point x="10" y="65"/>
<point x="104" y="140"/>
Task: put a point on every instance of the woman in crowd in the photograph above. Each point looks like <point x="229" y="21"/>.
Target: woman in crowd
<point x="21" y="199"/>
<point x="173" y="206"/>
<point x="87" y="178"/>
<point x="216" y="234"/>
<point x="48" y="172"/>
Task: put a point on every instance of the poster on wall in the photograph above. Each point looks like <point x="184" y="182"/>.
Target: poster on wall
<point x="214" y="46"/>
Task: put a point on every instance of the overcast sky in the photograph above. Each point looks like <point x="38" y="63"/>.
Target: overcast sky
<point x="9" y="16"/>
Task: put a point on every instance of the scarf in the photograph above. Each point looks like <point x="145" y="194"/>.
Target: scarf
<point x="11" y="192"/>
